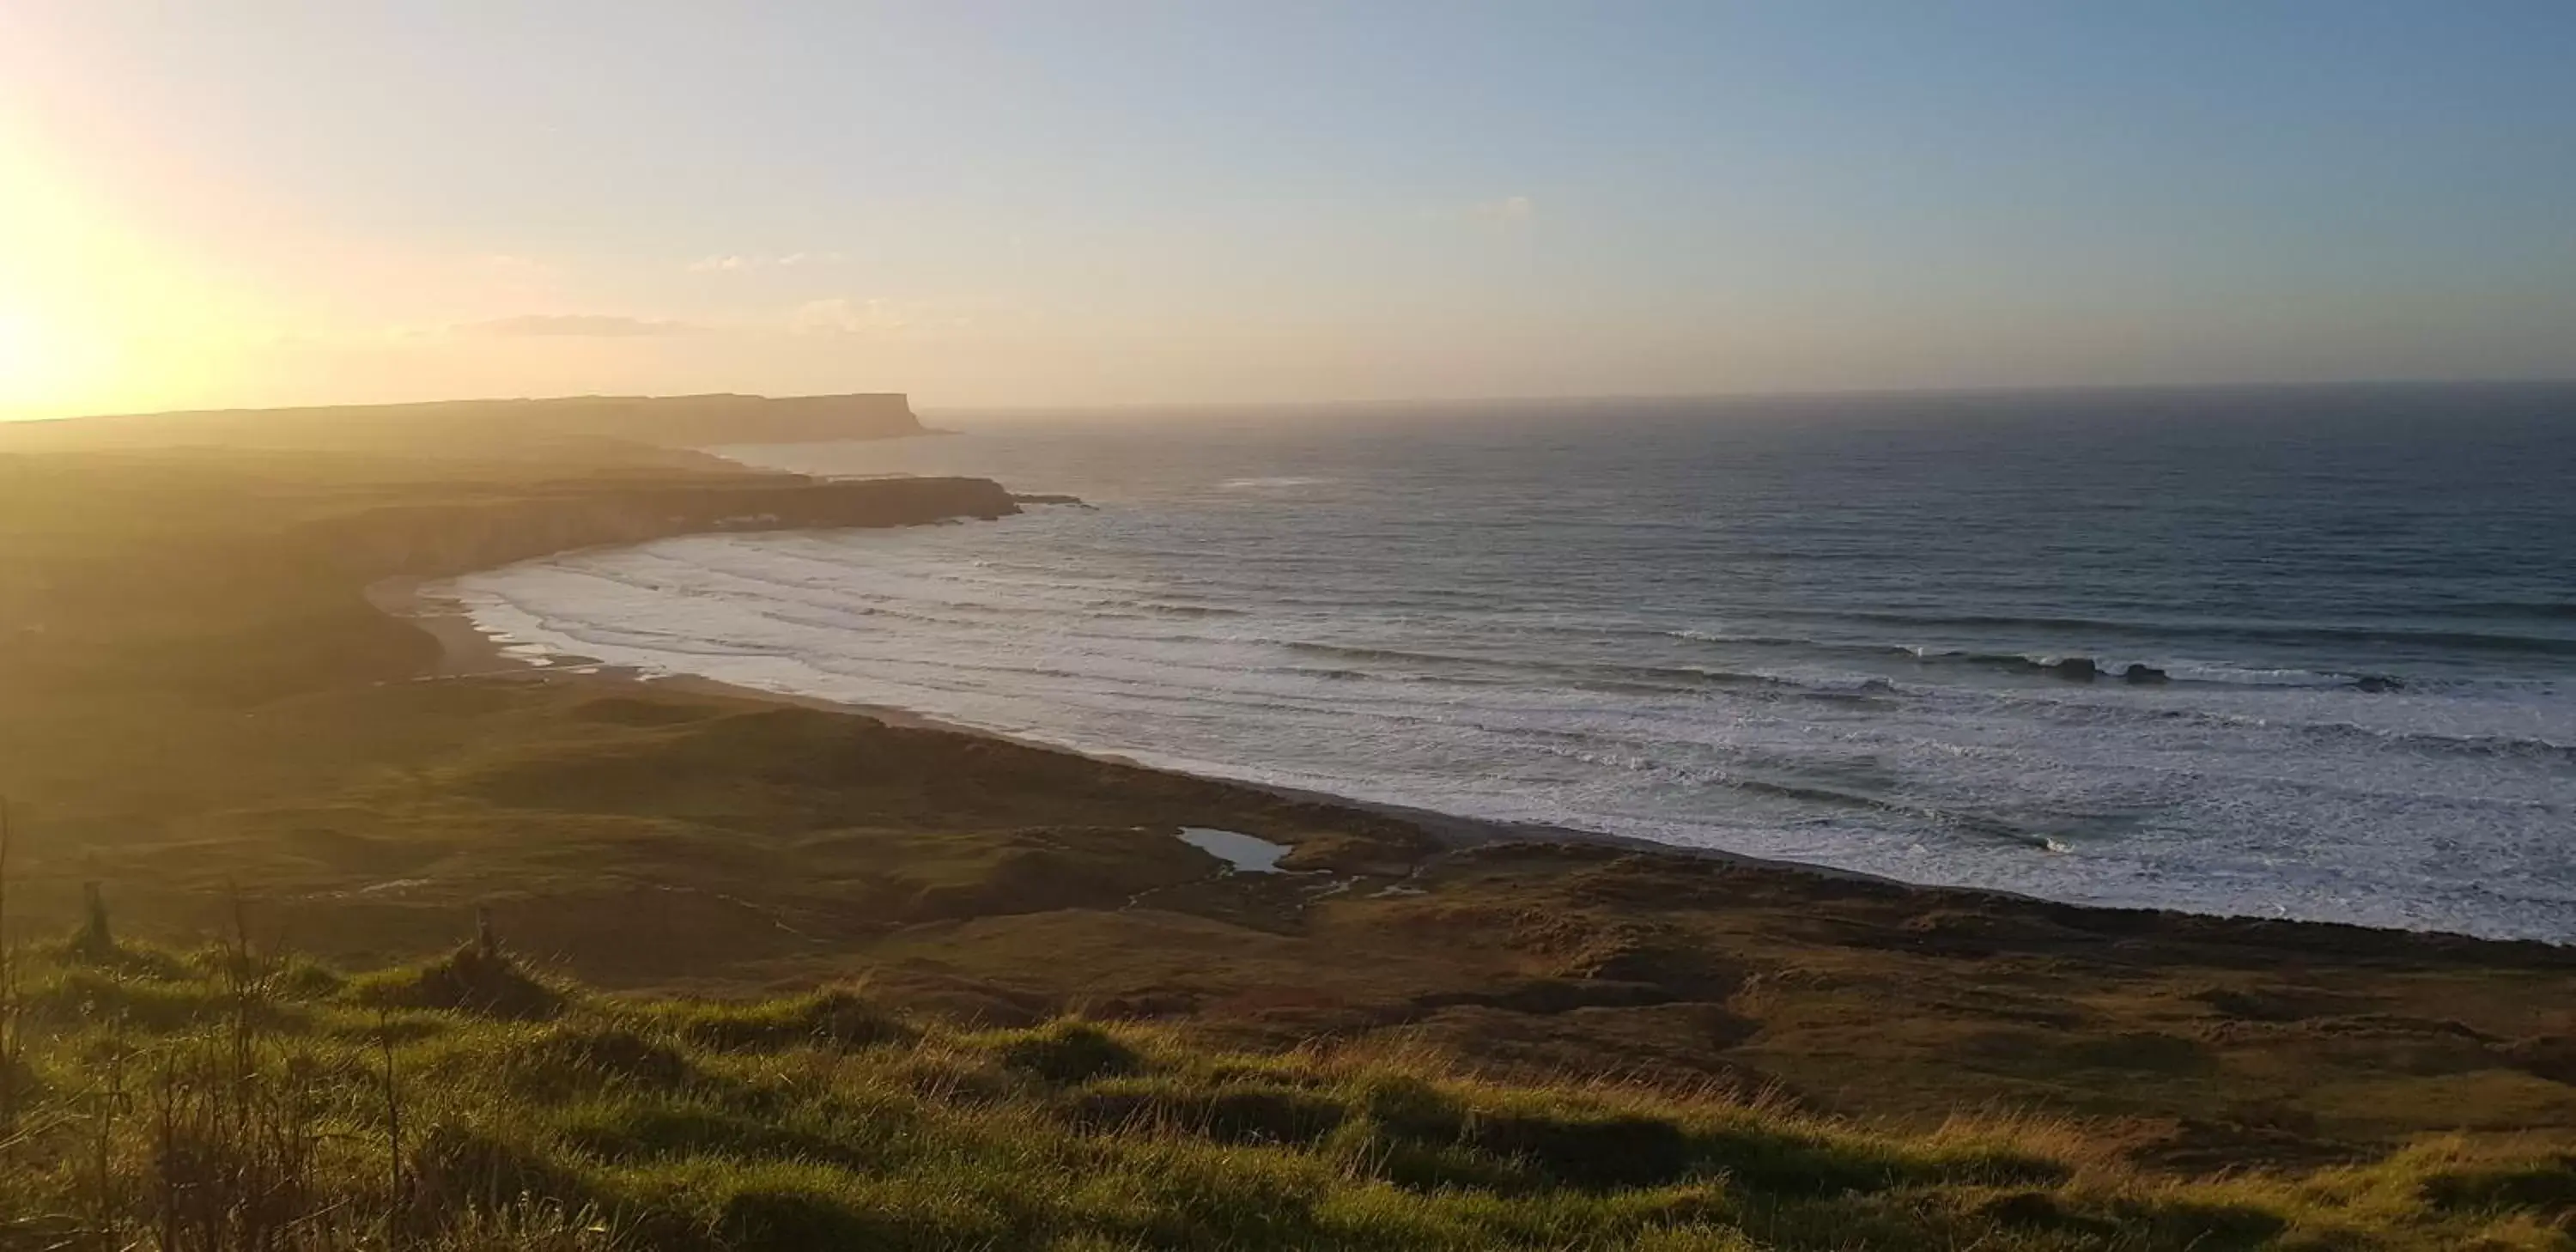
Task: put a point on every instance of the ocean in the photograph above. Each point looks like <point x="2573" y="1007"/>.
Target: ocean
<point x="2299" y="653"/>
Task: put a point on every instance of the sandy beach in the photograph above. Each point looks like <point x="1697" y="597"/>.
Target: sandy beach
<point x="465" y="651"/>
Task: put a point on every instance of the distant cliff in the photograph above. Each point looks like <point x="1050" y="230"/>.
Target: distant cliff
<point x="573" y="429"/>
<point x="436" y="540"/>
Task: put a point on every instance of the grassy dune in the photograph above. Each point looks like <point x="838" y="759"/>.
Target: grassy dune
<point x="221" y="1099"/>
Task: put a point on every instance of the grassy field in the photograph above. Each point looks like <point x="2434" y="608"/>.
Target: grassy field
<point x="223" y="1099"/>
<point x="202" y="715"/>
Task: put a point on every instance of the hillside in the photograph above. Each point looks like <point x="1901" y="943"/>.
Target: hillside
<point x="588" y="427"/>
<point x="225" y="1099"/>
<point x="205" y="716"/>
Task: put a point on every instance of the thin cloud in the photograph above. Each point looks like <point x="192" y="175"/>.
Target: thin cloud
<point x="735" y="263"/>
<point x="576" y="325"/>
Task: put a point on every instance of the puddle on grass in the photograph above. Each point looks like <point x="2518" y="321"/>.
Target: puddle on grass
<point x="1242" y="853"/>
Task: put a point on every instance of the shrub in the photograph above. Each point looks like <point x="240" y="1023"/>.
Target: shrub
<point x="93" y="945"/>
<point x="476" y="978"/>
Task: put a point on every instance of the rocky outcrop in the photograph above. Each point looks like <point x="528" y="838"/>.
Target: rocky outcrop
<point x="444" y="540"/>
<point x="2084" y="669"/>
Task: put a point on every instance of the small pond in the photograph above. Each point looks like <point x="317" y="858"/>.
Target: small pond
<point x="1242" y="853"/>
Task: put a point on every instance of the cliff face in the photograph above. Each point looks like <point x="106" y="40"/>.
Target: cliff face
<point x="439" y="540"/>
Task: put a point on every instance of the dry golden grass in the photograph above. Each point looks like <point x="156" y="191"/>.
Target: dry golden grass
<point x="224" y="1100"/>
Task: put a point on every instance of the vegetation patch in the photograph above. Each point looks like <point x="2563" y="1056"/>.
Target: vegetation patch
<point x="579" y="1056"/>
<point x="1069" y="1052"/>
<point x="817" y="1121"/>
<point x="476" y="978"/>
<point x="1588" y="1149"/>
<point x="1227" y="1112"/>
<point x="2547" y="1187"/>
<point x="836" y="1017"/>
<point x="627" y="1130"/>
<point x="83" y="994"/>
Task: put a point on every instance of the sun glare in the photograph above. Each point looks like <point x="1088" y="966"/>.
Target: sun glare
<point x="95" y="315"/>
<point x="18" y="349"/>
<point x="29" y="363"/>
<point x="50" y="367"/>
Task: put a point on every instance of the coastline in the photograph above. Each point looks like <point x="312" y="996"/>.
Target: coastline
<point x="466" y="651"/>
<point x="370" y="775"/>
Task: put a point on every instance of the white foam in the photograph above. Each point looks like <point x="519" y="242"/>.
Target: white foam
<point x="2247" y="797"/>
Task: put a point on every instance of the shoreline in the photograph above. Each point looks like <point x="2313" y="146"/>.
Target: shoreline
<point x="466" y="651"/>
<point x="237" y="745"/>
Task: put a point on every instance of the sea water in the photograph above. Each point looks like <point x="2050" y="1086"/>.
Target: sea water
<point x="1893" y="634"/>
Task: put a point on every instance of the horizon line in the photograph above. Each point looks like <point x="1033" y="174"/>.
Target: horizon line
<point x="1640" y="397"/>
<point x="1814" y="393"/>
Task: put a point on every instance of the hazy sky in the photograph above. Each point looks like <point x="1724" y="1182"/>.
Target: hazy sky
<point x="260" y="202"/>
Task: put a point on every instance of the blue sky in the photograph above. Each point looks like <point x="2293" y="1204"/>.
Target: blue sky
<point x="992" y="204"/>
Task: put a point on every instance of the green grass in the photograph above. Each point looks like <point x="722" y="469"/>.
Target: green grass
<point x="222" y="1101"/>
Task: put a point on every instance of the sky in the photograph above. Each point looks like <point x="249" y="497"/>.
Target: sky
<point x="264" y="202"/>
